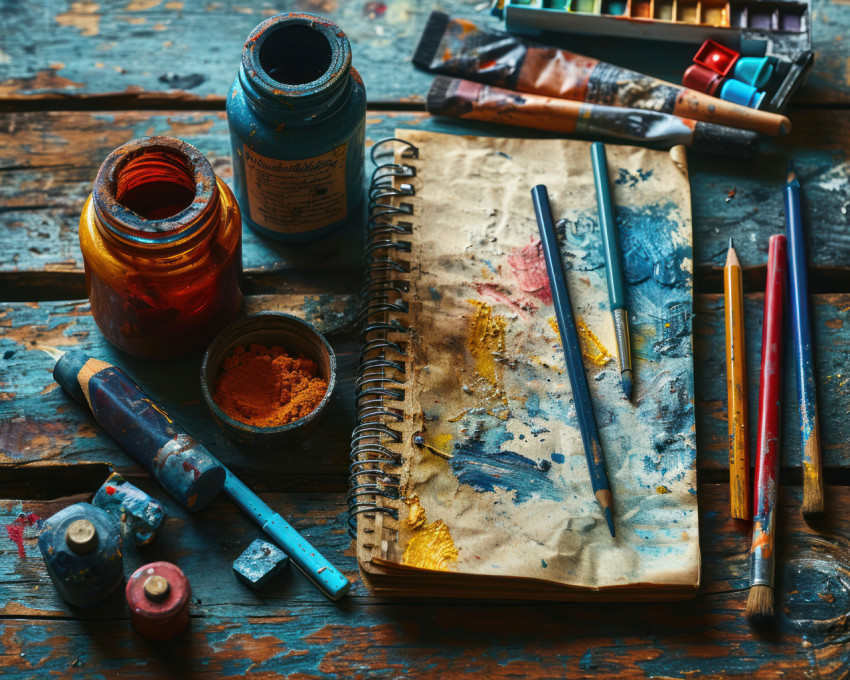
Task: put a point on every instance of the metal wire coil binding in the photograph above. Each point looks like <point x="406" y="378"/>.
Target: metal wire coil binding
<point x="374" y="468"/>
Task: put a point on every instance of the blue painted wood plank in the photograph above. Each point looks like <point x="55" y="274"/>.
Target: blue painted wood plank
<point x="291" y="630"/>
<point x="188" y="50"/>
<point x="48" y="163"/>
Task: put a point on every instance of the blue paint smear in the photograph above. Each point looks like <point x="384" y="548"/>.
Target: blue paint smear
<point x="543" y="563"/>
<point x="625" y="178"/>
<point x="435" y="294"/>
<point x="485" y="468"/>
<point x="557" y="457"/>
<point x="532" y="406"/>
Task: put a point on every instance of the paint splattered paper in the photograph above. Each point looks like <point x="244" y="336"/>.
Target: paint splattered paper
<point x="493" y="493"/>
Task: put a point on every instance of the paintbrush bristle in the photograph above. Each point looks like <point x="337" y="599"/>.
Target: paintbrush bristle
<point x="792" y="174"/>
<point x="626" y="377"/>
<point x="52" y="351"/>
<point x="760" y="603"/>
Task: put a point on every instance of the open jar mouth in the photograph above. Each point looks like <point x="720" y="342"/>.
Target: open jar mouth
<point x="154" y="190"/>
<point x="296" y="54"/>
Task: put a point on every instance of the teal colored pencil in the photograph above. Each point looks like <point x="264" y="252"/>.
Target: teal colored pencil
<point x="613" y="264"/>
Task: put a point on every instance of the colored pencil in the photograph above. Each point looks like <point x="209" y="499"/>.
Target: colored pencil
<point x="798" y="296"/>
<point x="613" y="263"/>
<point x="572" y="354"/>
<point x="736" y="387"/>
<point x="763" y="549"/>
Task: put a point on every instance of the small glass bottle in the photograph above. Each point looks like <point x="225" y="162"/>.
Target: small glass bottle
<point x="297" y="116"/>
<point x="161" y="237"/>
<point x="81" y="546"/>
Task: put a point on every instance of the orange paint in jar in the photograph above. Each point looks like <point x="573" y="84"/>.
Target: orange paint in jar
<point x="161" y="237"/>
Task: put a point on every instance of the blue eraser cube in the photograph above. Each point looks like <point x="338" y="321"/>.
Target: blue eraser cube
<point x="260" y="562"/>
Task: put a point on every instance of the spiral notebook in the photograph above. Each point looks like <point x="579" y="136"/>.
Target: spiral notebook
<point x="468" y="473"/>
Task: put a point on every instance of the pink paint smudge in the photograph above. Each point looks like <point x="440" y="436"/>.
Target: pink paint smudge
<point x="498" y="294"/>
<point x="15" y="530"/>
<point x="529" y="268"/>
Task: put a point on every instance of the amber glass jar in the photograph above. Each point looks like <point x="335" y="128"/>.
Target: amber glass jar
<point x="161" y="237"/>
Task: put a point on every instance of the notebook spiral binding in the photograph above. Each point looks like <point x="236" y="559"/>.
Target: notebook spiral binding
<point x="373" y="473"/>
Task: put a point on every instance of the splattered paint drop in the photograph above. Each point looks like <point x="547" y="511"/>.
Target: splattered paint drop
<point x="431" y="547"/>
<point x="529" y="269"/>
<point x="15" y="530"/>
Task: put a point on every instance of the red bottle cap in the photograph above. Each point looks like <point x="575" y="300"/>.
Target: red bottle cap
<point x="716" y="57"/>
<point x="702" y="79"/>
<point x="158" y="596"/>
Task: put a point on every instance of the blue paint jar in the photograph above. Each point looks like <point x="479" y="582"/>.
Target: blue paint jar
<point x="81" y="546"/>
<point x="297" y="116"/>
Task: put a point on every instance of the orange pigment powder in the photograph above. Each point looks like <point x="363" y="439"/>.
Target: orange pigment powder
<point x="267" y="387"/>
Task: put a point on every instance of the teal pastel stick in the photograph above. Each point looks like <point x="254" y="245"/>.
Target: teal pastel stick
<point x="613" y="263"/>
<point x="310" y="561"/>
<point x="608" y="228"/>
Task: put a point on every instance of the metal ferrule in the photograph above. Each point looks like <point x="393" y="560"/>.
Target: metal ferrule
<point x="762" y="557"/>
<point x="621" y="331"/>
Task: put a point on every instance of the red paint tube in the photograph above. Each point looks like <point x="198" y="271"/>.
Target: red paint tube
<point x="459" y="48"/>
<point x="459" y="98"/>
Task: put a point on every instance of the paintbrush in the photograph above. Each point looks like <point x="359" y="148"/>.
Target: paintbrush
<point x="763" y="550"/>
<point x="798" y="297"/>
<point x="613" y="264"/>
<point x="181" y="464"/>
<point x="736" y="388"/>
<point x="572" y="354"/>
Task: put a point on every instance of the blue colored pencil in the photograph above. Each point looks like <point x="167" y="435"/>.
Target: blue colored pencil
<point x="572" y="354"/>
<point x="613" y="263"/>
<point x="798" y="297"/>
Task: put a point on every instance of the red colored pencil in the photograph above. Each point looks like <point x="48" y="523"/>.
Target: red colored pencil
<point x="763" y="550"/>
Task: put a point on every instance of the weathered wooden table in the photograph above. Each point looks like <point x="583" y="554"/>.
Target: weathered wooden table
<point x="79" y="78"/>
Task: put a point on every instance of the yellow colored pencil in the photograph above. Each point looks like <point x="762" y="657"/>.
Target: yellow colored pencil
<point x="736" y="385"/>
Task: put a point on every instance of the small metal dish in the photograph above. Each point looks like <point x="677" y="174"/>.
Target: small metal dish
<point x="268" y="328"/>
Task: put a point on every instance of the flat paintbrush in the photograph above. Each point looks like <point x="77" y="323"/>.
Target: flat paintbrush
<point x="572" y="354"/>
<point x="763" y="550"/>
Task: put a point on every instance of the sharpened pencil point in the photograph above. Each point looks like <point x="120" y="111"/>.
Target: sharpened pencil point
<point x="730" y="242"/>
<point x="609" y="517"/>
<point x="626" y="377"/>
<point x="760" y="604"/>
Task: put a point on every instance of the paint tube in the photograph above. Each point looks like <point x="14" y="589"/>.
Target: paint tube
<point x="459" y="48"/>
<point x="465" y="99"/>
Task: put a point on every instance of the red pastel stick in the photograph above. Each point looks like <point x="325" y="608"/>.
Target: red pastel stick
<point x="768" y="445"/>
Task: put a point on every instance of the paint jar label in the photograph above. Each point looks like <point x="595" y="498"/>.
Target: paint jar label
<point x="293" y="196"/>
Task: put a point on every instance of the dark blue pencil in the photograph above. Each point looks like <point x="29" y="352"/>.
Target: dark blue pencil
<point x="613" y="264"/>
<point x="798" y="297"/>
<point x="572" y="354"/>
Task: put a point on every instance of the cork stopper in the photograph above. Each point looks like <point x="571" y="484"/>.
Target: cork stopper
<point x="156" y="588"/>
<point x="81" y="536"/>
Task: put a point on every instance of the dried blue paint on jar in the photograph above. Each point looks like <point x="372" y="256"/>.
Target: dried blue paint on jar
<point x="297" y="116"/>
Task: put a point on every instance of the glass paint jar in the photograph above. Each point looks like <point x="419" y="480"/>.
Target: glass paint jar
<point x="161" y="237"/>
<point x="297" y="116"/>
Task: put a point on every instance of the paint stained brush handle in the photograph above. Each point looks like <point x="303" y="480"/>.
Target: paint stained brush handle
<point x="770" y="399"/>
<point x="613" y="263"/>
<point x="181" y="464"/>
<point x="798" y="297"/>
<point x="572" y="354"/>
<point x="465" y="99"/>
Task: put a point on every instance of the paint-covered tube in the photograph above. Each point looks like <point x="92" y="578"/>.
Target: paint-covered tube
<point x="459" y="48"/>
<point x="460" y="98"/>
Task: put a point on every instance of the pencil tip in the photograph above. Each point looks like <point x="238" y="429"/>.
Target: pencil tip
<point x="626" y="377"/>
<point x="730" y="242"/>
<point x="609" y="517"/>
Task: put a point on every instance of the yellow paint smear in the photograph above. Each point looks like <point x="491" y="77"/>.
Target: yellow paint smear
<point x="415" y="513"/>
<point x="486" y="340"/>
<point x="443" y="442"/>
<point x="592" y="348"/>
<point x="662" y="489"/>
<point x="553" y="322"/>
<point x="431" y="547"/>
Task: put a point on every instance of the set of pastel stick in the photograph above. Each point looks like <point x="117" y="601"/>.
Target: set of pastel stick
<point x="775" y="28"/>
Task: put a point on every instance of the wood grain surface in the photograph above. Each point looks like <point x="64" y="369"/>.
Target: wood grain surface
<point x="78" y="78"/>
